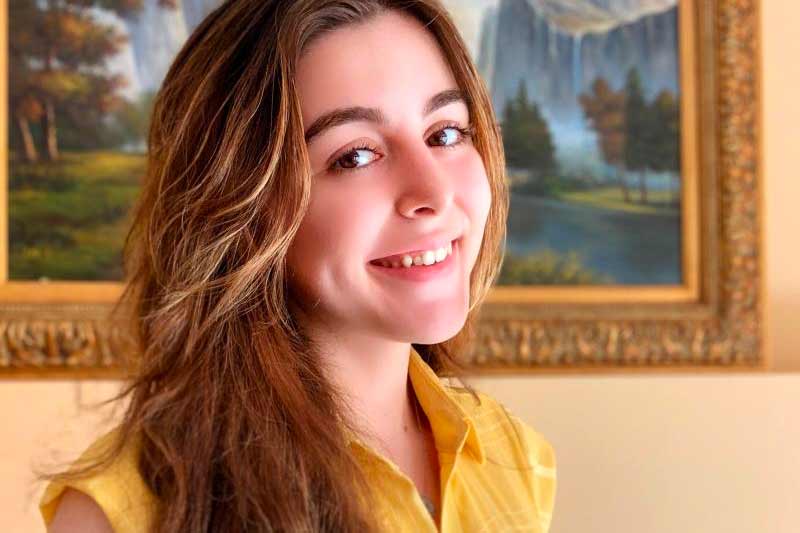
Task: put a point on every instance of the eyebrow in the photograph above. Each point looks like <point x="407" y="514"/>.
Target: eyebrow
<point x="343" y="115"/>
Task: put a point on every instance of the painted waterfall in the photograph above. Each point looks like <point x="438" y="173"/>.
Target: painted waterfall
<point x="586" y="92"/>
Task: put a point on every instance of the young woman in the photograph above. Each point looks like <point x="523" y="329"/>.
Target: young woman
<point x="323" y="214"/>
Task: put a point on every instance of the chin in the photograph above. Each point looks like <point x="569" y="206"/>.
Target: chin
<point x="434" y="332"/>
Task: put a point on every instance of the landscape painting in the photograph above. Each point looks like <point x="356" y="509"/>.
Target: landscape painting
<point x="587" y="96"/>
<point x="586" y="93"/>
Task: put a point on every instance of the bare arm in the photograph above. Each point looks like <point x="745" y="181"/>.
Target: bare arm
<point x="78" y="512"/>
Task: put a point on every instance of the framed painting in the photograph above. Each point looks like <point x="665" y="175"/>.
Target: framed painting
<point x="631" y="132"/>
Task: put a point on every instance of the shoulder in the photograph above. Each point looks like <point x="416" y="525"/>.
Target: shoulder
<point x="509" y="438"/>
<point x="77" y="511"/>
<point x="117" y="493"/>
<point x="491" y="414"/>
<point x="542" y="458"/>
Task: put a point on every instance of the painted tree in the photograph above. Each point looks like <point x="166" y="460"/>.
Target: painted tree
<point x="604" y="109"/>
<point x="57" y="53"/>
<point x="638" y="127"/>
<point x="665" y="137"/>
<point x="526" y="137"/>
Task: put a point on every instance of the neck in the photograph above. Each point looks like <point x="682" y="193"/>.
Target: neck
<point x="373" y="375"/>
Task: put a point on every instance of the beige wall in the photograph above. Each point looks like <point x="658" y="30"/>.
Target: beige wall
<point x="639" y="454"/>
<point x="668" y="454"/>
<point x="781" y="48"/>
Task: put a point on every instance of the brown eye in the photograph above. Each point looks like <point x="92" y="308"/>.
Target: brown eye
<point x="350" y="160"/>
<point x="442" y="135"/>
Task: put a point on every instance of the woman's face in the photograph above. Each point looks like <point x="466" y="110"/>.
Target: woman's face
<point x="410" y="183"/>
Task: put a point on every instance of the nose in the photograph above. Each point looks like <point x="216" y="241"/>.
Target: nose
<point x="426" y="185"/>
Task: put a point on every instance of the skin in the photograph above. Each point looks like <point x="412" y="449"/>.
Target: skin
<point x="410" y="186"/>
<point x="79" y="512"/>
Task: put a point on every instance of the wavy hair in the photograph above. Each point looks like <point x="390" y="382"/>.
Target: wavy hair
<point x="238" y="427"/>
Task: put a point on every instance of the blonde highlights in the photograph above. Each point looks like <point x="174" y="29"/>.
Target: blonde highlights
<point x="237" y="426"/>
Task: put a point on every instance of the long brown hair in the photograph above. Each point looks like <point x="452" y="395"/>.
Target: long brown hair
<point x="237" y="425"/>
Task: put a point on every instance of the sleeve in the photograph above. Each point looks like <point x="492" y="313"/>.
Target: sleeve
<point x="118" y="490"/>
<point x="542" y="458"/>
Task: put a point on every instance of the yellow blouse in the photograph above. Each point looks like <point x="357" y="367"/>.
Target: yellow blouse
<point x="485" y="483"/>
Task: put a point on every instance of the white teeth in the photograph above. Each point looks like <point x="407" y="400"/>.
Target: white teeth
<point x="428" y="257"/>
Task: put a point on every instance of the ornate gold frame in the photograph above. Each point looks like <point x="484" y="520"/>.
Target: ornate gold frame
<point x="710" y="322"/>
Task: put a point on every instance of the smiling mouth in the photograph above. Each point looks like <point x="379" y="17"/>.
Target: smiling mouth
<point x="416" y="258"/>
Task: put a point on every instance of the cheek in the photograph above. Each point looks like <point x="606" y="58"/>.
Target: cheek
<point x="476" y="198"/>
<point x="334" y="231"/>
<point x="475" y="190"/>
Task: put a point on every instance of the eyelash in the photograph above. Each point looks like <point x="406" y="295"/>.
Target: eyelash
<point x="466" y="133"/>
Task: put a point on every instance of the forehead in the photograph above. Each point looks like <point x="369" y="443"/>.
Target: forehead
<point x="390" y="61"/>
